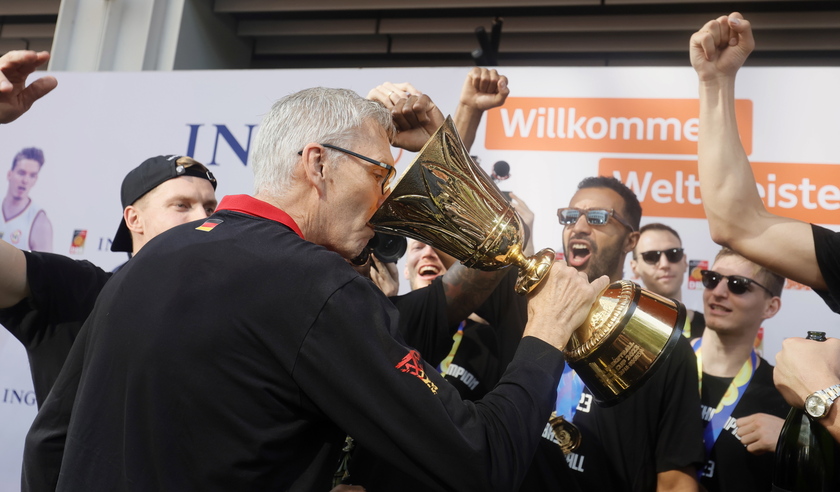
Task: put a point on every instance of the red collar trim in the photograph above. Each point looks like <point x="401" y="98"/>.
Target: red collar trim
<point x="258" y="208"/>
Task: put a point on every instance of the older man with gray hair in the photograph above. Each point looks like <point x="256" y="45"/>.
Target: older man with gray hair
<point x="236" y="353"/>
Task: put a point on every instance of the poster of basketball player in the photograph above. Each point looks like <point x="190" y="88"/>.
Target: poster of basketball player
<point x="25" y="224"/>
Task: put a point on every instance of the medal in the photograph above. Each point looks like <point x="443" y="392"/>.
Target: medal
<point x="568" y="436"/>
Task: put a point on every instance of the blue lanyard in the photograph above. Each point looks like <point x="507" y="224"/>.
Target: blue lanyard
<point x="568" y="393"/>
<point x="730" y="399"/>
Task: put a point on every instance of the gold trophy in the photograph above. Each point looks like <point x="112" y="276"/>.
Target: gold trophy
<point x="444" y="199"/>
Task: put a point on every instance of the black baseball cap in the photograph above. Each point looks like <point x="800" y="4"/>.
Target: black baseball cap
<point x="148" y="176"/>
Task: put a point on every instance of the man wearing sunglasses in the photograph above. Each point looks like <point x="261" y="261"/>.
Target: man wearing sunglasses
<point x="738" y="219"/>
<point x="659" y="260"/>
<point x="741" y="430"/>
<point x="653" y="439"/>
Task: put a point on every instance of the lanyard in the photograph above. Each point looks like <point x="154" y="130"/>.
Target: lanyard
<point x="456" y="342"/>
<point x="687" y="328"/>
<point x="730" y="399"/>
<point x="568" y="393"/>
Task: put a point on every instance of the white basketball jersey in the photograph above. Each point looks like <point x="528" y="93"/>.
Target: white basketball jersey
<point x="16" y="229"/>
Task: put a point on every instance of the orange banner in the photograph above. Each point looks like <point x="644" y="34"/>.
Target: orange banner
<point x="642" y="126"/>
<point x="671" y="188"/>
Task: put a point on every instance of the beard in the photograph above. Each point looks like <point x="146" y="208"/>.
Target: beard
<point x="608" y="263"/>
<point x="607" y="260"/>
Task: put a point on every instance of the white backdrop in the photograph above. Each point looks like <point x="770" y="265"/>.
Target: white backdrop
<point x="95" y="127"/>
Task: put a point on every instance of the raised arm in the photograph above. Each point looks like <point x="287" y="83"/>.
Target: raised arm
<point x="415" y="115"/>
<point x="737" y="216"/>
<point x="15" y="97"/>
<point x="483" y="89"/>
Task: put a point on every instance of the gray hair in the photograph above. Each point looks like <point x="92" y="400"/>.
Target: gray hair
<point x="319" y="115"/>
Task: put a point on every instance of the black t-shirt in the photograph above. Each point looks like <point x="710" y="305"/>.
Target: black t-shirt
<point x="423" y="321"/>
<point x="486" y="348"/>
<point x="62" y="294"/>
<point x="625" y="446"/>
<point x="731" y="468"/>
<point x="827" y="248"/>
<point x="475" y="367"/>
<point x="234" y="358"/>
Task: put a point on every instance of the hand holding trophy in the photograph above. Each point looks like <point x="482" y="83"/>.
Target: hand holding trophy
<point x="446" y="200"/>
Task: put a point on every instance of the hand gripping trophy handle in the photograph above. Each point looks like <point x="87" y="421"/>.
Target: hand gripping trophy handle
<point x="444" y="199"/>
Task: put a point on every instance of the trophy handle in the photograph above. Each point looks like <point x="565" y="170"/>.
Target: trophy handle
<point x="532" y="269"/>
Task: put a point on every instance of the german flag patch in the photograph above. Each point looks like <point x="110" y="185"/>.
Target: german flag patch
<point x="209" y="224"/>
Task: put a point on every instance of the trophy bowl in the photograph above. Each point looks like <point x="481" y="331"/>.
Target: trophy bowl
<point x="446" y="200"/>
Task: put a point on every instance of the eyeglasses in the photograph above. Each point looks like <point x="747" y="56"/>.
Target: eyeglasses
<point x="736" y="283"/>
<point x="595" y="216"/>
<point x="387" y="167"/>
<point x="673" y="255"/>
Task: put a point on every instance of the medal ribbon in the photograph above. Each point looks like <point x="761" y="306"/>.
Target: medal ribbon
<point x="687" y="328"/>
<point x="730" y="399"/>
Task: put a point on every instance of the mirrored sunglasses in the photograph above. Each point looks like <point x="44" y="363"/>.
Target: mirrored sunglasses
<point x="594" y="216"/>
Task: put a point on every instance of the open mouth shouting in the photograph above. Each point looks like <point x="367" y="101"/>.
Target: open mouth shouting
<point x="579" y="252"/>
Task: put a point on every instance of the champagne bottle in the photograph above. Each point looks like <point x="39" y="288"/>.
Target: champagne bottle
<point x="807" y="457"/>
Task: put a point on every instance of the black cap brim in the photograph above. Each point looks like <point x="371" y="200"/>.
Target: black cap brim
<point x="122" y="239"/>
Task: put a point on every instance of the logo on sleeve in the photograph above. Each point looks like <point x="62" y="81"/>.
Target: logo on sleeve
<point x="209" y="224"/>
<point x="412" y="364"/>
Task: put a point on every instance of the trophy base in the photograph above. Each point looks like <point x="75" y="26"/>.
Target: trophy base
<point x="607" y="399"/>
<point x="533" y="271"/>
<point x="630" y="333"/>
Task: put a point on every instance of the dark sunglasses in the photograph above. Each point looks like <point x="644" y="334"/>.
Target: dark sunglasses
<point x="673" y="255"/>
<point x="594" y="216"/>
<point x="387" y="167"/>
<point x="736" y="283"/>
